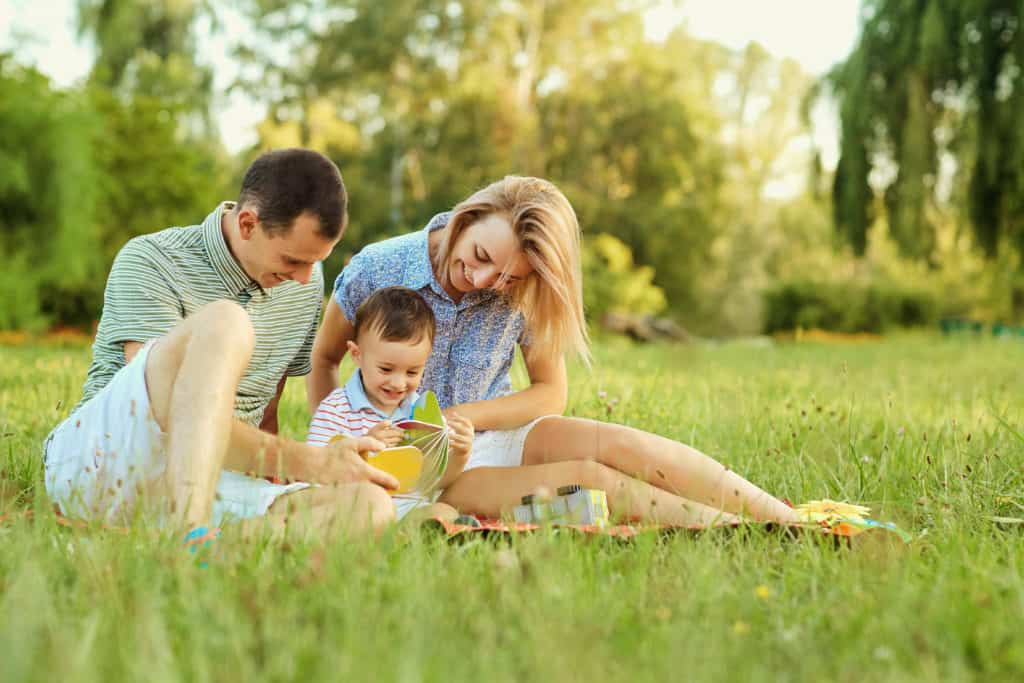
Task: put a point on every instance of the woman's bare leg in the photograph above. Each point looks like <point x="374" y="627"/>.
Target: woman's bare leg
<point x="491" y="491"/>
<point x="667" y="464"/>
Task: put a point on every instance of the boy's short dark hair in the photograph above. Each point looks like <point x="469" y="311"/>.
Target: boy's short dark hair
<point x="396" y="314"/>
<point x="285" y="183"/>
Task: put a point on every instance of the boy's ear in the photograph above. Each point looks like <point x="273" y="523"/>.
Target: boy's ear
<point x="353" y="349"/>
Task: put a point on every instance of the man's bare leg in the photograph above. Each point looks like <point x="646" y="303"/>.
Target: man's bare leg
<point x="192" y="374"/>
<point x="428" y="512"/>
<point x="347" y="510"/>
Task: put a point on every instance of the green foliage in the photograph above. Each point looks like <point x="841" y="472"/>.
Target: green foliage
<point x="148" y="48"/>
<point x="612" y="283"/>
<point x="48" y="196"/>
<point x="149" y="179"/>
<point x="82" y="172"/>
<point x="446" y="97"/>
<point x="846" y="306"/>
<point x="676" y="148"/>
<point x="932" y="78"/>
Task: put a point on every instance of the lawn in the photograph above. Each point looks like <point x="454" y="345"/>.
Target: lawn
<point x="919" y="427"/>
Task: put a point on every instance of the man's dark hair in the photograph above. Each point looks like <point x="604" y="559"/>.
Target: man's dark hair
<point x="286" y="183"/>
<point x="396" y="314"/>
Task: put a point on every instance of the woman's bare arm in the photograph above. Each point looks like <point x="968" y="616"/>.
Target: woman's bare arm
<point x="546" y="395"/>
<point x="329" y="349"/>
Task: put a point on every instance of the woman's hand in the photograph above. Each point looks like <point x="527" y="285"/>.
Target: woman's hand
<point x="386" y="433"/>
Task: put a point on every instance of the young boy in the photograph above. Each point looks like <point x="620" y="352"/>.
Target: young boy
<point x="393" y="337"/>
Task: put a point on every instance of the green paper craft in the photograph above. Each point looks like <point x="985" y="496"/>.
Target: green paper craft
<point x="427" y="430"/>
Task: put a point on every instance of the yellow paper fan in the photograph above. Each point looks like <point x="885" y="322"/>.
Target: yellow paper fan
<point x="831" y="511"/>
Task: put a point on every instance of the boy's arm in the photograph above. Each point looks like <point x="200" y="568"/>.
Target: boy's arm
<point x="451" y="473"/>
<point x="460" y="445"/>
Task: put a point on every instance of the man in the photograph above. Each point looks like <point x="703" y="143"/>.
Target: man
<point x="201" y="327"/>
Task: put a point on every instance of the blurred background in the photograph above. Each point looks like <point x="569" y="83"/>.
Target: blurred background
<point x="738" y="167"/>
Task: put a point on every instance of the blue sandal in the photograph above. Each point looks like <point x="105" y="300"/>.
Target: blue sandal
<point x="199" y="542"/>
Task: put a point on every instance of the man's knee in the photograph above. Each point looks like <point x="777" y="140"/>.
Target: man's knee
<point x="376" y="503"/>
<point x="228" y="323"/>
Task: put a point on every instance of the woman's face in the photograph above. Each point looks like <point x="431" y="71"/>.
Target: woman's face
<point x="487" y="255"/>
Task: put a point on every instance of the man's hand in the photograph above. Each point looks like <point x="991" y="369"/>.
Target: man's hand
<point x="343" y="462"/>
<point x="386" y="433"/>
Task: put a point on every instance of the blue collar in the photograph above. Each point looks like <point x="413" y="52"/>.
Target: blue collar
<point x="420" y="271"/>
<point x="358" y="400"/>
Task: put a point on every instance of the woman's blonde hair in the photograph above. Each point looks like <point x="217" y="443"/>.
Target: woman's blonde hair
<point x="544" y="223"/>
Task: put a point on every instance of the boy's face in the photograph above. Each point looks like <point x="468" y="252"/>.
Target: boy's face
<point x="392" y="370"/>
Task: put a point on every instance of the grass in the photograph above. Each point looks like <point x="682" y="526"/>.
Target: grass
<point x="926" y="430"/>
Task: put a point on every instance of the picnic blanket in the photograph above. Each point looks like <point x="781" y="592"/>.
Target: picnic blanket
<point x="838" y="520"/>
<point x="830" y="518"/>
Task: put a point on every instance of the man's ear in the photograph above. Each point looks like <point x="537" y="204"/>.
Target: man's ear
<point x="353" y="349"/>
<point x="248" y="223"/>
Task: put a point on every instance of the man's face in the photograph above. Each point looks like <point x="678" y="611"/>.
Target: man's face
<point x="273" y="258"/>
<point x="391" y="370"/>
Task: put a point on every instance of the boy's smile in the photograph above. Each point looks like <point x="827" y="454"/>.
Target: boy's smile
<point x="391" y="370"/>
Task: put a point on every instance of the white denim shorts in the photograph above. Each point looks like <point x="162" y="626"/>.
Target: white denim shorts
<point x="493" y="448"/>
<point x="500" y="447"/>
<point x="111" y="451"/>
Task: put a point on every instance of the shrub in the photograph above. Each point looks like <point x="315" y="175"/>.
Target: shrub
<point x="849" y="306"/>
<point x="613" y="283"/>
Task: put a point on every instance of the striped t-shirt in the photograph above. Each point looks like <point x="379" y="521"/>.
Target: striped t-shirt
<point x="159" y="279"/>
<point x="347" y="410"/>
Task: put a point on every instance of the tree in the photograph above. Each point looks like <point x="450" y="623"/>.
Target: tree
<point x="439" y="98"/>
<point x="928" y="79"/>
<point x="47" y="197"/>
<point x="148" y="49"/>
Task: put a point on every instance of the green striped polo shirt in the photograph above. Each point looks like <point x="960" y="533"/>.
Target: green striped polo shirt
<point x="159" y="279"/>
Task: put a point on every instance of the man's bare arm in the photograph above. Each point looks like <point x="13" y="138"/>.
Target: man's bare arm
<point x="130" y="349"/>
<point x="328" y="351"/>
<point x="270" y="422"/>
<point x="260" y="454"/>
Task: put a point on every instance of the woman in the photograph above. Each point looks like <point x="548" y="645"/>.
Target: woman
<point x="503" y="269"/>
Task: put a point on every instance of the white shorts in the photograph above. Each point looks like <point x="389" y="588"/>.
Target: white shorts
<point x="493" y="448"/>
<point x="406" y="503"/>
<point x="500" y="447"/>
<point x="111" y="450"/>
